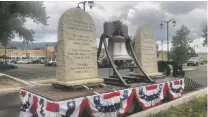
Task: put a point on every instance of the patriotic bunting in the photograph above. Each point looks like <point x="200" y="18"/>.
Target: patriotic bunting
<point x="71" y="108"/>
<point x="112" y="104"/>
<point x="151" y="95"/>
<point x="33" y="105"/>
<point x="175" y="88"/>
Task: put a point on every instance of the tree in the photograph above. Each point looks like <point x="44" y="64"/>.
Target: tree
<point x="157" y="47"/>
<point x="15" y="14"/>
<point x="181" y="50"/>
<point x="204" y="30"/>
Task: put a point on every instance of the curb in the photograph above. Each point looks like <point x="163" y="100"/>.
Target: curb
<point x="17" y="79"/>
<point x="43" y="81"/>
<point x="186" y="98"/>
<point x="189" y="69"/>
<point x="10" y="90"/>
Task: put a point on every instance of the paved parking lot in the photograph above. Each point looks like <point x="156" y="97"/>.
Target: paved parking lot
<point x="35" y="72"/>
<point x="32" y="72"/>
<point x="38" y="72"/>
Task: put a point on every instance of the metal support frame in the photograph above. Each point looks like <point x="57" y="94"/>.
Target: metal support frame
<point x="120" y="78"/>
<point x="90" y="89"/>
<point x="112" y="63"/>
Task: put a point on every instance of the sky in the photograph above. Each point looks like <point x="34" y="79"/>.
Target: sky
<point x="134" y="14"/>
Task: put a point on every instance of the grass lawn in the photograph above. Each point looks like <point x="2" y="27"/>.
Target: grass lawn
<point x="205" y="62"/>
<point x="194" y="108"/>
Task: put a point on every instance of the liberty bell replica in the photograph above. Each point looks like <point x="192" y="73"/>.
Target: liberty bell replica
<point x="118" y="48"/>
<point x="117" y="44"/>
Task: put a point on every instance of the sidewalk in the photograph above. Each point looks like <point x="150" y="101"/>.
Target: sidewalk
<point x="10" y="84"/>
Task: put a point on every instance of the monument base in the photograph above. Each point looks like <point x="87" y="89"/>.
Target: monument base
<point x="91" y="81"/>
<point x="153" y="75"/>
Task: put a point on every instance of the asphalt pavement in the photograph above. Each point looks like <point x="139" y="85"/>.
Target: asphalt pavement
<point x="199" y="75"/>
<point x="35" y="72"/>
<point x="10" y="103"/>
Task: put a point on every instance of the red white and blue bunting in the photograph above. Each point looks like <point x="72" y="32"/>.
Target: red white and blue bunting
<point x="151" y="95"/>
<point x="112" y="104"/>
<point x="175" y="88"/>
<point x="33" y="105"/>
<point x="72" y="108"/>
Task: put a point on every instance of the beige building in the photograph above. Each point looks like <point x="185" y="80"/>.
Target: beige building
<point x="16" y="54"/>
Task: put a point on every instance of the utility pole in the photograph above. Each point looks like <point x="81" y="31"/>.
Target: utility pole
<point x="5" y="53"/>
<point x="46" y="51"/>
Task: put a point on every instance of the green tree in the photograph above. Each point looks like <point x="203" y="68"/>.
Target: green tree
<point x="204" y="30"/>
<point x="181" y="50"/>
<point x="15" y="14"/>
<point x="157" y="47"/>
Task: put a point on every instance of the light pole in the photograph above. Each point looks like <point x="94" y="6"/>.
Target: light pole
<point x="90" y="3"/>
<point x="162" y="48"/>
<point x="46" y="51"/>
<point x="167" y="23"/>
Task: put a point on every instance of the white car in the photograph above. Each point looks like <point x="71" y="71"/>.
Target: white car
<point x="195" y="61"/>
<point x="51" y="62"/>
<point x="23" y="62"/>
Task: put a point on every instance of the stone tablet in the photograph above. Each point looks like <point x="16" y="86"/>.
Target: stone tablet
<point x="76" y="49"/>
<point x="145" y="50"/>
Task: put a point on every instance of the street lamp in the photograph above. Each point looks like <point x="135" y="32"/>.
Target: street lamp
<point x="167" y="23"/>
<point x="90" y="3"/>
<point x="162" y="48"/>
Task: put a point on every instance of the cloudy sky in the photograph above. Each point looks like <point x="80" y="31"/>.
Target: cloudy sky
<point x="134" y="14"/>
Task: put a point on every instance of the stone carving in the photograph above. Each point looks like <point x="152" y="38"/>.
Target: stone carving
<point x="145" y="50"/>
<point x="76" y="49"/>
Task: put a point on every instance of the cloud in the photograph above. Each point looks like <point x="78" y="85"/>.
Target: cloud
<point x="134" y="14"/>
<point x="183" y="7"/>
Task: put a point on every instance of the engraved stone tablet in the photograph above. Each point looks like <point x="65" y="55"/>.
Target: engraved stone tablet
<point x="76" y="49"/>
<point x="145" y="50"/>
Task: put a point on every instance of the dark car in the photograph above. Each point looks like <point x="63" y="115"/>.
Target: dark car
<point x="4" y="66"/>
<point x="36" y="61"/>
<point x="13" y="61"/>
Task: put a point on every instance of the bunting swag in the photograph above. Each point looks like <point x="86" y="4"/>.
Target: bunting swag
<point x="36" y="106"/>
<point x="151" y="95"/>
<point x="175" y="88"/>
<point x="113" y="104"/>
<point x="110" y="104"/>
<point x="72" y="108"/>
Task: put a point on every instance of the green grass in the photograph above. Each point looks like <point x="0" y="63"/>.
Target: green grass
<point x="194" y="108"/>
<point x="205" y="62"/>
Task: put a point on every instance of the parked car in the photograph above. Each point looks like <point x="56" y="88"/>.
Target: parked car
<point x="13" y="61"/>
<point x="4" y="66"/>
<point x="51" y="62"/>
<point x="36" y="61"/>
<point x="23" y="62"/>
<point x="195" y="61"/>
